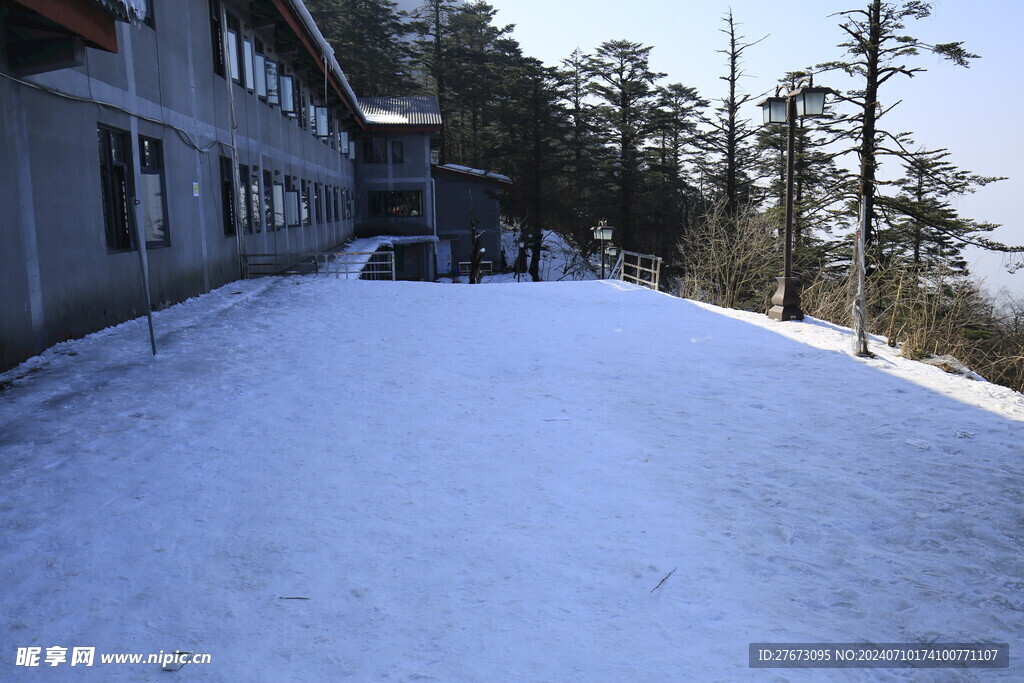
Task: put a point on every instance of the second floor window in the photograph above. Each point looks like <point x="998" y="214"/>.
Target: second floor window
<point x="375" y="151"/>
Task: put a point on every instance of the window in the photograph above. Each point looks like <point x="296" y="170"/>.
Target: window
<point x="273" y="92"/>
<point x="328" y="193"/>
<point x="153" y="193"/>
<point x="337" y="214"/>
<point x="291" y="206"/>
<point x="115" y="179"/>
<point x="227" y="196"/>
<point x="288" y="95"/>
<point x="306" y="199"/>
<point x="255" y="210"/>
<point x="318" y="204"/>
<point x="395" y="204"/>
<point x="375" y="151"/>
<point x="322" y="128"/>
<point x="249" y="60"/>
<point x="260" y="71"/>
<point x="217" y="37"/>
<point x="244" y="219"/>
<point x="234" y="41"/>
<point x="268" y="200"/>
<point x="397" y="152"/>
<point x="278" y="204"/>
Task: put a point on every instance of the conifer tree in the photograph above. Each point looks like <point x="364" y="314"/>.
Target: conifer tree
<point x="623" y="83"/>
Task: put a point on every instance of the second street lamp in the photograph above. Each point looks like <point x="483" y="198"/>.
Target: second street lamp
<point x="785" y="108"/>
<point x="602" y="233"/>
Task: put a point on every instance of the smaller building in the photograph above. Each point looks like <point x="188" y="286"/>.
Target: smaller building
<point x="430" y="208"/>
<point x="466" y="196"/>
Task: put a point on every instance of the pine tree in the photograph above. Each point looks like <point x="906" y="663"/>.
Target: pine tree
<point x="368" y="38"/>
<point x="624" y="85"/>
<point x="732" y="134"/>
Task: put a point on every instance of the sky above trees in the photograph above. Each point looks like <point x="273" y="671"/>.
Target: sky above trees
<point x="969" y="111"/>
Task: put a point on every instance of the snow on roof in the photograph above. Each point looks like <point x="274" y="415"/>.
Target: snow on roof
<point x="326" y="52"/>
<point x="466" y="170"/>
<point x="125" y="10"/>
<point x="401" y="111"/>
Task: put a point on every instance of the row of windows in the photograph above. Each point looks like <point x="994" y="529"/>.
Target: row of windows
<point x="266" y="204"/>
<point x="272" y="205"/>
<point x="249" y="64"/>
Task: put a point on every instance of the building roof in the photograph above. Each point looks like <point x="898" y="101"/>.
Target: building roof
<point x="475" y="172"/>
<point x="401" y="111"/>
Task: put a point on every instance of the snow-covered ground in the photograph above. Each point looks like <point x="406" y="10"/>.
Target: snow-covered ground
<point x="488" y="483"/>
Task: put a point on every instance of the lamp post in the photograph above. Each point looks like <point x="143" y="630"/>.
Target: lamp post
<point x="603" y="233"/>
<point x="785" y="108"/>
<point x="519" y="256"/>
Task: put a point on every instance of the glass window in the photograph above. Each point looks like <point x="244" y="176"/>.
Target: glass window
<point x="217" y="37"/>
<point x="322" y="128"/>
<point x="256" y="211"/>
<point x="260" y="69"/>
<point x="306" y="200"/>
<point x="249" y="57"/>
<point x="397" y="152"/>
<point x="279" y="217"/>
<point x="153" y="194"/>
<point x="234" y="50"/>
<point x="227" y="196"/>
<point x="395" y="204"/>
<point x="273" y="94"/>
<point x="318" y="205"/>
<point x="115" y="181"/>
<point x="243" y="206"/>
<point x="288" y="95"/>
<point x="268" y="200"/>
<point x="375" y="151"/>
<point x="291" y="206"/>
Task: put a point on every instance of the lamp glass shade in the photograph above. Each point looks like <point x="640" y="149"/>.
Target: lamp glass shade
<point x="774" y="109"/>
<point x="811" y="101"/>
<point x="602" y="233"/>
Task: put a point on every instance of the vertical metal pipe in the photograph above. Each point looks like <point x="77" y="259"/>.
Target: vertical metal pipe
<point x="236" y="178"/>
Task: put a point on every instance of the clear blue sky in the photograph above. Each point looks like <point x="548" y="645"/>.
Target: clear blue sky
<point x="972" y="112"/>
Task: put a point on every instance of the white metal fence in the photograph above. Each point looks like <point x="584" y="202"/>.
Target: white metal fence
<point x="640" y="269"/>
<point x="376" y="265"/>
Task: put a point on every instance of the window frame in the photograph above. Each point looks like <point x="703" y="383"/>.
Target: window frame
<point x="229" y="201"/>
<point x="147" y="167"/>
<point x="378" y="200"/>
<point x="117" y="188"/>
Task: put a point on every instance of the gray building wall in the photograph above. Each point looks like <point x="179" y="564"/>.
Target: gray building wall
<point x="413" y="174"/>
<point x="58" y="278"/>
<point x="461" y="198"/>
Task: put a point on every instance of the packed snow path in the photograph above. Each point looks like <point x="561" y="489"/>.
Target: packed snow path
<point x="486" y="483"/>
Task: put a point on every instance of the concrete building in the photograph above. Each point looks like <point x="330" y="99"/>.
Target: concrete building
<point x="196" y="134"/>
<point x="151" y="151"/>
<point x="466" y="196"/>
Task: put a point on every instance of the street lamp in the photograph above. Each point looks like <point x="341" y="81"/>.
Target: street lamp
<point x="603" y="233"/>
<point x="785" y="108"/>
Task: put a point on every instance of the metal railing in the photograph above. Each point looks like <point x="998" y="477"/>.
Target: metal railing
<point x="486" y="267"/>
<point x="364" y="265"/>
<point x="258" y="265"/>
<point x="640" y="269"/>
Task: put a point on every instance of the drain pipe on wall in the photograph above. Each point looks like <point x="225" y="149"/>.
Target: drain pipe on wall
<point x="235" y="177"/>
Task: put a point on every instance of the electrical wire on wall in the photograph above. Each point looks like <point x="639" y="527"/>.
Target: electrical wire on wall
<point x="185" y="136"/>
